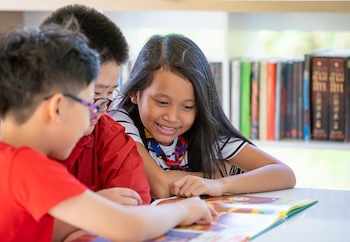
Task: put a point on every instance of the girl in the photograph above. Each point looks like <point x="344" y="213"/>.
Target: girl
<point x="171" y="109"/>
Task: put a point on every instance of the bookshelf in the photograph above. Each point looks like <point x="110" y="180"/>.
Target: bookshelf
<point x="233" y="26"/>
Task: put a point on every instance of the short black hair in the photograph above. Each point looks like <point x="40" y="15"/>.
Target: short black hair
<point x="36" y="63"/>
<point x="104" y="35"/>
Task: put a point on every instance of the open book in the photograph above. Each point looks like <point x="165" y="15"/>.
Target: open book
<point x="240" y="218"/>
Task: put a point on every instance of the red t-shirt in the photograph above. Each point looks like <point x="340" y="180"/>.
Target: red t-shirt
<point x="31" y="184"/>
<point x="108" y="158"/>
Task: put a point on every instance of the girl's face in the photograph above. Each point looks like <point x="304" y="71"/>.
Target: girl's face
<point x="167" y="107"/>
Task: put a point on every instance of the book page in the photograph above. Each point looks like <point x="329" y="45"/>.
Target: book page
<point x="240" y="217"/>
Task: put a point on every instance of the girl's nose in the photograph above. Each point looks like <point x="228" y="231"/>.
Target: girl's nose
<point x="171" y="115"/>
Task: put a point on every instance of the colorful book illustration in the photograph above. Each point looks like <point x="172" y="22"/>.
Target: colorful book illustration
<point x="240" y="218"/>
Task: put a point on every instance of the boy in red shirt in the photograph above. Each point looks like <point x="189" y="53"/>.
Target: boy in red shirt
<point x="46" y="88"/>
<point x="105" y="159"/>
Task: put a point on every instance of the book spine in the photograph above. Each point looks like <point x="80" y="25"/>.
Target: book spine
<point x="294" y="101"/>
<point x="278" y="102"/>
<point x="288" y="82"/>
<point x="319" y="97"/>
<point x="254" y="106"/>
<point x="245" y="98"/>
<point x="347" y="102"/>
<point x="283" y="103"/>
<point x="263" y="101"/>
<point x="306" y="99"/>
<point x="300" y="114"/>
<point x="336" y="116"/>
<point x="271" y="97"/>
<point x="235" y="93"/>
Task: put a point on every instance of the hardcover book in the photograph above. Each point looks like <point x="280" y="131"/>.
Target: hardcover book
<point x="337" y="98"/>
<point x="307" y="92"/>
<point x="288" y="85"/>
<point x="279" y="105"/>
<point x="262" y="101"/>
<point x="319" y="97"/>
<point x="271" y="99"/>
<point x="235" y="96"/>
<point x="300" y="120"/>
<point x="254" y="105"/>
<point x="244" y="124"/>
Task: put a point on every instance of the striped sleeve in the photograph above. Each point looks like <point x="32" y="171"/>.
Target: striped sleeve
<point x="230" y="147"/>
<point x="122" y="117"/>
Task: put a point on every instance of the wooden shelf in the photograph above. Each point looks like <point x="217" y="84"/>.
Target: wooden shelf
<point x="301" y="144"/>
<point x="184" y="5"/>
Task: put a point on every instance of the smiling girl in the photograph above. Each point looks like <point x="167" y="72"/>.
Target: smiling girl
<point x="189" y="147"/>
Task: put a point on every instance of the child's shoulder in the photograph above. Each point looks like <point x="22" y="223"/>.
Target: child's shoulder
<point x="107" y="123"/>
<point x="23" y="158"/>
<point x="9" y="150"/>
<point x="107" y="128"/>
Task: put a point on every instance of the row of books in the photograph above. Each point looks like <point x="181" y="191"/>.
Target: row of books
<point x="296" y="98"/>
<point x="304" y="97"/>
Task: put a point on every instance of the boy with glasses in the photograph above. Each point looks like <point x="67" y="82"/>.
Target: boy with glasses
<point x="105" y="159"/>
<point x="46" y="93"/>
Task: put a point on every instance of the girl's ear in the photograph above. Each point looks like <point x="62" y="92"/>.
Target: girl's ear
<point x="55" y="108"/>
<point x="133" y="98"/>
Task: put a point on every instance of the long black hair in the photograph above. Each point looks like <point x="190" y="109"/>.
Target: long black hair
<point x="181" y="56"/>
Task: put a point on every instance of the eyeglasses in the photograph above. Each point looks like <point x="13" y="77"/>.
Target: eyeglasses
<point x="93" y="108"/>
<point x="103" y="102"/>
<point x="106" y="102"/>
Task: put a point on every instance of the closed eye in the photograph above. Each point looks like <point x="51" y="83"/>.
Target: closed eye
<point x="188" y="108"/>
<point x="162" y="103"/>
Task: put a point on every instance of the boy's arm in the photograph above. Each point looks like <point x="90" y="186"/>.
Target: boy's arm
<point x="120" y="195"/>
<point x="161" y="181"/>
<point x="129" y="223"/>
<point x="61" y="230"/>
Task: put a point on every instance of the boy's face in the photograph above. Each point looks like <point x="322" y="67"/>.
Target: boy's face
<point x="75" y="121"/>
<point x="107" y="82"/>
<point x="167" y="107"/>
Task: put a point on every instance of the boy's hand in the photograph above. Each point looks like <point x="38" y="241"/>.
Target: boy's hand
<point x="121" y="195"/>
<point x="199" y="211"/>
<point x="189" y="186"/>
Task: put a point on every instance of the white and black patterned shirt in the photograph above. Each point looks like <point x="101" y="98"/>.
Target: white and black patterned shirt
<point x="230" y="147"/>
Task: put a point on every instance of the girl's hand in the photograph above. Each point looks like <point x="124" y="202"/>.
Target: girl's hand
<point x="199" y="211"/>
<point x="121" y="195"/>
<point x="190" y="186"/>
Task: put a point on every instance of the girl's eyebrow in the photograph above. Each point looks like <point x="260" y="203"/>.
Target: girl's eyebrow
<point x="167" y="96"/>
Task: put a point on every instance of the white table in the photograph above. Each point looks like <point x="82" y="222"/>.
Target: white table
<point x="326" y="221"/>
